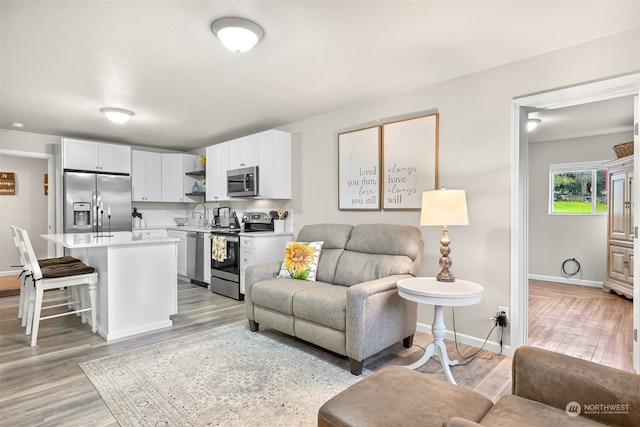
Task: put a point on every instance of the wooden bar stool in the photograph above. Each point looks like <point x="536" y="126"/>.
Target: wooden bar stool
<point x="43" y="262"/>
<point x="53" y="277"/>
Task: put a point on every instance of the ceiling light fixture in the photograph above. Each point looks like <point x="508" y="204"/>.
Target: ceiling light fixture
<point x="17" y="125"/>
<point x="117" y="115"/>
<point x="237" y="34"/>
<point x="532" y="124"/>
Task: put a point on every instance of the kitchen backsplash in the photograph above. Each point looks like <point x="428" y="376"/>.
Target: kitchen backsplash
<point x="161" y="215"/>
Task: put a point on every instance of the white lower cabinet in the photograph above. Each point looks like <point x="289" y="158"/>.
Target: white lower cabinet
<point x="258" y="249"/>
<point x="182" y="250"/>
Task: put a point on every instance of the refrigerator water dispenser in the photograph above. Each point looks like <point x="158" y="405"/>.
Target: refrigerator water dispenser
<point x="81" y="213"/>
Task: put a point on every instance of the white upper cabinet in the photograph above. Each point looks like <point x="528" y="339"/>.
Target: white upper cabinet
<point x="175" y="184"/>
<point x="217" y="166"/>
<point x="146" y="176"/>
<point x="275" y="165"/>
<point x="96" y="156"/>
<point x="269" y="150"/>
<point x="244" y="152"/>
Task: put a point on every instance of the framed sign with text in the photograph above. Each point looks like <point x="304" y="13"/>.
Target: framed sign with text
<point x="7" y="184"/>
<point x="359" y="169"/>
<point x="410" y="161"/>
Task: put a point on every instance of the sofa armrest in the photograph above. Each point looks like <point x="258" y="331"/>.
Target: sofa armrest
<point x="377" y="316"/>
<point x="257" y="272"/>
<point x="253" y="274"/>
<point x="556" y="379"/>
<point x="460" y="422"/>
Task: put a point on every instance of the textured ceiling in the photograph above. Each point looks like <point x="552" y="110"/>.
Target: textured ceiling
<point x="61" y="61"/>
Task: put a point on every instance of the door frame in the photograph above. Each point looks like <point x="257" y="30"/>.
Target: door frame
<point x="51" y="201"/>
<point x="627" y="85"/>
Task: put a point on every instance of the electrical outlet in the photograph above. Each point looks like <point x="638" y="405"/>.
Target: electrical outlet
<point x="506" y="312"/>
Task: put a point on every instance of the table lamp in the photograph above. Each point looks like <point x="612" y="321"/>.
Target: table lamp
<point x="444" y="207"/>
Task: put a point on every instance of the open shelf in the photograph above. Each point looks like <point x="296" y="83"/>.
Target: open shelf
<point x="197" y="174"/>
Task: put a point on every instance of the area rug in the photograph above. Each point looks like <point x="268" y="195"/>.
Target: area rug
<point x="226" y="376"/>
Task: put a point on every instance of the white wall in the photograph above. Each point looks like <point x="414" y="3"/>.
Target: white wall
<point x="27" y="208"/>
<point x="555" y="238"/>
<point x="475" y="155"/>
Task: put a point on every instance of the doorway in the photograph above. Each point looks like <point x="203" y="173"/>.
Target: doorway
<point x="33" y="205"/>
<point x="592" y="92"/>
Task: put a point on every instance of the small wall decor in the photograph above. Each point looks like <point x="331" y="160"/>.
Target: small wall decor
<point x="7" y="184"/>
<point x="410" y="161"/>
<point x="359" y="169"/>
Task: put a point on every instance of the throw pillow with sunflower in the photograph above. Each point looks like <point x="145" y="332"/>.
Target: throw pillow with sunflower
<point x="301" y="260"/>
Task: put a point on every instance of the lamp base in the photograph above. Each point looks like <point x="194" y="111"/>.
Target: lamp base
<point x="445" y="276"/>
<point x="445" y="262"/>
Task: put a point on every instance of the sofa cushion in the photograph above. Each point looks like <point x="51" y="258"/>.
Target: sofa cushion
<point x="277" y="294"/>
<point x="356" y="267"/>
<point x="325" y="305"/>
<point x="335" y="237"/>
<point x="386" y="239"/>
<point x="300" y="260"/>
<point x="512" y="410"/>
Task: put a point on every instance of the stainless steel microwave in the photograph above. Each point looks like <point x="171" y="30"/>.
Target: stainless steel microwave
<point x="243" y="182"/>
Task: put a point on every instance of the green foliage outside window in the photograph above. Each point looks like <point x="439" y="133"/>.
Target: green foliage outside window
<point x="574" y="192"/>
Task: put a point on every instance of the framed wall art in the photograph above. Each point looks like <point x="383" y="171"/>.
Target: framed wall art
<point x="410" y="161"/>
<point x="359" y="169"/>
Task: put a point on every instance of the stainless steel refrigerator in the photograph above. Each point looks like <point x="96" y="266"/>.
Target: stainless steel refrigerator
<point x="86" y="194"/>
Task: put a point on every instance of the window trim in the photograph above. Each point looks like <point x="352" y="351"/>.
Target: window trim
<point x="593" y="166"/>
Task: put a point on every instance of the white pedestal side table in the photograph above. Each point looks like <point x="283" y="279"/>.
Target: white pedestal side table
<point x="427" y="290"/>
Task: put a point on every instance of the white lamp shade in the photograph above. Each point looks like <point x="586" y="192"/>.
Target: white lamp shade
<point x="237" y="34"/>
<point x="444" y="207"/>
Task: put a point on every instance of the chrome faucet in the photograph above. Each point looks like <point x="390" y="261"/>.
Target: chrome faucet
<point x="203" y="215"/>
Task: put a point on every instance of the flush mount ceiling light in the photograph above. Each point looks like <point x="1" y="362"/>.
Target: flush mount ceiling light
<point x="117" y="115"/>
<point x="532" y="124"/>
<point x="17" y="125"/>
<point x="237" y="34"/>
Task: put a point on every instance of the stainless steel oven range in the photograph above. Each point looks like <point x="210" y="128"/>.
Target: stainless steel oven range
<point x="225" y="253"/>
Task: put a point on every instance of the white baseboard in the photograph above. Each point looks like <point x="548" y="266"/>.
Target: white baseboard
<point x="468" y="340"/>
<point x="566" y="280"/>
<point x="10" y="273"/>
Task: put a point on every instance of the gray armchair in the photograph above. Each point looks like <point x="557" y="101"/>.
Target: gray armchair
<point x="353" y="308"/>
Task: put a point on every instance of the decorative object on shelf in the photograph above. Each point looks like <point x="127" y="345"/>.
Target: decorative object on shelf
<point x="195" y="188"/>
<point x="203" y="161"/>
<point x="444" y="207"/>
<point x="623" y="150"/>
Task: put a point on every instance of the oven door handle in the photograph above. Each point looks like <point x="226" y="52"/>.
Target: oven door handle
<point x="229" y="238"/>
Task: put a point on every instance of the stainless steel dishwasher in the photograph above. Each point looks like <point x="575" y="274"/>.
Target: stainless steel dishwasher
<point x="195" y="258"/>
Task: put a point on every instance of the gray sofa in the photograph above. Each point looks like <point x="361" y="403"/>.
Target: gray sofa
<point x="353" y="307"/>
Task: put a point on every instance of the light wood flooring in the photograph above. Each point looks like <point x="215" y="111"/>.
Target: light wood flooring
<point x="583" y="322"/>
<point x="44" y="386"/>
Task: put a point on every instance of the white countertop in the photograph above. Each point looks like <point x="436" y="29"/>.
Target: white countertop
<point x="118" y="238"/>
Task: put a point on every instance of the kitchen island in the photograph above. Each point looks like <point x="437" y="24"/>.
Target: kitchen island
<point x="137" y="278"/>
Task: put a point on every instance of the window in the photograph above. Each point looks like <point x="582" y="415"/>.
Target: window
<point x="578" y="188"/>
